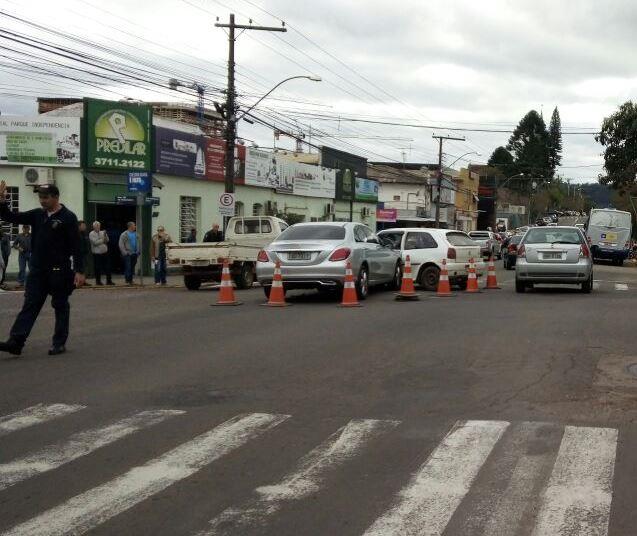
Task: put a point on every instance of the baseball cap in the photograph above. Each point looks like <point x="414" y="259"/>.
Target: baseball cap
<point x="49" y="189"/>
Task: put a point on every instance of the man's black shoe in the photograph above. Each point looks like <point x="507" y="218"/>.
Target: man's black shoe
<point x="57" y="350"/>
<point x="11" y="346"/>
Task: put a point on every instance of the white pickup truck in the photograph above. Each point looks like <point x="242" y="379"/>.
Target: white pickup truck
<point x="244" y="238"/>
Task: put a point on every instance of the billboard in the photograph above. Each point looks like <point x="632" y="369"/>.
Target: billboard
<point x="387" y="215"/>
<point x="348" y="167"/>
<point x="269" y="170"/>
<point x="180" y="153"/>
<point x="40" y="141"/>
<point x="366" y="190"/>
<point x="117" y="135"/>
<point x="216" y="161"/>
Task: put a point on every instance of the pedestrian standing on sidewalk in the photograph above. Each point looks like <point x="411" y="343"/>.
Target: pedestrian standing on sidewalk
<point x="99" y="249"/>
<point x="22" y="243"/>
<point x="158" y="254"/>
<point x="129" y="247"/>
<point x="192" y="237"/>
<point x="5" y="252"/>
<point x="214" y="235"/>
<point x="55" y="241"/>
<point x="85" y="245"/>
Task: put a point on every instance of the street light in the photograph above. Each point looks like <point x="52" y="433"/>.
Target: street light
<point x="312" y="77"/>
<point x="462" y="156"/>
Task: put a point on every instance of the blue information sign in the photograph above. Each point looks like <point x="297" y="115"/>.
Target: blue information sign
<point x="139" y="181"/>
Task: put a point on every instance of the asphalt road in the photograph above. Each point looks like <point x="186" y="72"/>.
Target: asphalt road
<point x="489" y="414"/>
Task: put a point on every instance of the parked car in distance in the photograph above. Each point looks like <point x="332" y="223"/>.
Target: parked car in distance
<point x="314" y="256"/>
<point x="428" y="247"/>
<point x="489" y="245"/>
<point x="510" y="251"/>
<point x="554" y="255"/>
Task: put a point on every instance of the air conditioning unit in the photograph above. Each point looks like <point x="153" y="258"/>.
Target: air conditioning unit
<point x="38" y="176"/>
<point x="270" y="208"/>
<point x="329" y="209"/>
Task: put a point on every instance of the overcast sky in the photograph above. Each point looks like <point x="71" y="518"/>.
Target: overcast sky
<point x="468" y="64"/>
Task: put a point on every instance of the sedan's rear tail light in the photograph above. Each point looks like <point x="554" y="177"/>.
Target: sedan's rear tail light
<point x="263" y="256"/>
<point x="513" y="248"/>
<point x="522" y="251"/>
<point x="584" y="252"/>
<point x="626" y="245"/>
<point x="340" y="254"/>
<point x="451" y="253"/>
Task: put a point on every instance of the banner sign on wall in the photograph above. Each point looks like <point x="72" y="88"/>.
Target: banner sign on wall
<point x="216" y="160"/>
<point x="366" y="190"/>
<point x="348" y="168"/>
<point x="387" y="215"/>
<point x="117" y="135"/>
<point x="269" y="170"/>
<point x="180" y="153"/>
<point x="40" y="141"/>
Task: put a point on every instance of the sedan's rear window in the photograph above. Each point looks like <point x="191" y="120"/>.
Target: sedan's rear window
<point x="313" y="232"/>
<point x="553" y="235"/>
<point x="460" y="239"/>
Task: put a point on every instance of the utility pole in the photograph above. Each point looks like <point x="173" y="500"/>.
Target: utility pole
<point x="230" y="107"/>
<point x="440" y="139"/>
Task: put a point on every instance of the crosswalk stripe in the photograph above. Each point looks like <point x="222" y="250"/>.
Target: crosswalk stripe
<point x="87" y="510"/>
<point x="427" y="503"/>
<point x="78" y="445"/>
<point x="578" y="496"/>
<point x="621" y="286"/>
<point x="35" y="415"/>
<point x="307" y="478"/>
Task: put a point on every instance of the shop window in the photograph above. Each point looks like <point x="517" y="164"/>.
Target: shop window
<point x="188" y="216"/>
<point x="13" y="200"/>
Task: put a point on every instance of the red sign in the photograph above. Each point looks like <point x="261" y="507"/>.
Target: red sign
<point x="216" y="157"/>
<point x="387" y="215"/>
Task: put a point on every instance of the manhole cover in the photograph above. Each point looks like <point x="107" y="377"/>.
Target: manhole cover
<point x="632" y="369"/>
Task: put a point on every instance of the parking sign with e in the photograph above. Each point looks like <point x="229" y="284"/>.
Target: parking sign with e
<point x="226" y="204"/>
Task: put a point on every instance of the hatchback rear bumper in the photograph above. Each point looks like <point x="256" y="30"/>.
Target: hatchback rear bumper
<point x="536" y="272"/>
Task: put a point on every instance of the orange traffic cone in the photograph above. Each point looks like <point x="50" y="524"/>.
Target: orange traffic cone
<point x="350" y="299"/>
<point x="226" y="292"/>
<point x="277" y="294"/>
<point x="407" y="290"/>
<point x="472" y="281"/>
<point x="492" y="281"/>
<point x="444" y="288"/>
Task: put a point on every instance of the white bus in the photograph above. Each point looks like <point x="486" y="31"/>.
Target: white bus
<point x="609" y="232"/>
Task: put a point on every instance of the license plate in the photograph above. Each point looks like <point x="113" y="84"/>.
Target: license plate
<point x="609" y="237"/>
<point x="552" y="256"/>
<point x="299" y="256"/>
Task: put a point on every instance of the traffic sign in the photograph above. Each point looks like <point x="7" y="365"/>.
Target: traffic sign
<point x="139" y="181"/>
<point x="226" y="204"/>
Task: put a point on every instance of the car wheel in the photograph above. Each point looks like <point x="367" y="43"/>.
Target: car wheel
<point x="462" y="284"/>
<point x="362" y="283"/>
<point x="192" y="282"/>
<point x="245" y="278"/>
<point x="398" y="277"/>
<point x="587" y="286"/>
<point x="520" y="286"/>
<point x="429" y="277"/>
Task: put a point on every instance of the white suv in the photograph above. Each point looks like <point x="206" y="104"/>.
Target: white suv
<point x="428" y="247"/>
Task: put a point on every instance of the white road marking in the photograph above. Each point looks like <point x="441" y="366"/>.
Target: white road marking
<point x="78" y="445"/>
<point x="621" y="286"/>
<point x="578" y="497"/>
<point x="87" y="510"/>
<point x="304" y="480"/>
<point x="35" y="415"/>
<point x="426" y="505"/>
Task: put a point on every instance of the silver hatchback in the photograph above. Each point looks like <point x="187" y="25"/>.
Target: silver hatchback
<point x="314" y="255"/>
<point x="554" y="255"/>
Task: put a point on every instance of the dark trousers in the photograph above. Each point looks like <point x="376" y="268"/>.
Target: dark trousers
<point x="24" y="260"/>
<point x="5" y="258"/>
<point x="102" y="265"/>
<point x="40" y="283"/>
<point x="129" y="267"/>
<point x="160" y="270"/>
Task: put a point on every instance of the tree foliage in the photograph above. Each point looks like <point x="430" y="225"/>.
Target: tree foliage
<point x="529" y="145"/>
<point x="555" y="141"/>
<point x="503" y="160"/>
<point x="618" y="136"/>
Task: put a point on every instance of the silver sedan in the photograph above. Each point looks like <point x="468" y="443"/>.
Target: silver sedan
<point x="314" y="255"/>
<point x="554" y="255"/>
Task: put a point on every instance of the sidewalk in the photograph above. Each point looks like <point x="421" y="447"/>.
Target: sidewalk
<point x="173" y="281"/>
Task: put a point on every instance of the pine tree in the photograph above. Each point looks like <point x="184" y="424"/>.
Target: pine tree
<point x="529" y="145"/>
<point x="555" y="141"/>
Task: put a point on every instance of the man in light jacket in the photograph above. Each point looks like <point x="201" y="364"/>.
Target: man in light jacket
<point x="158" y="254"/>
<point x="129" y="247"/>
<point x="99" y="249"/>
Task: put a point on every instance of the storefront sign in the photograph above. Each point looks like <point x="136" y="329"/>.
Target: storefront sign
<point x="366" y="190"/>
<point x="348" y="168"/>
<point x="126" y="200"/>
<point x="117" y="135"/>
<point x="139" y="181"/>
<point x="40" y="141"/>
<point x="180" y="153"/>
<point x="387" y="215"/>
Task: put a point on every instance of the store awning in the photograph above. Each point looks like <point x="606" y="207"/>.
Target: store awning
<point x="113" y="178"/>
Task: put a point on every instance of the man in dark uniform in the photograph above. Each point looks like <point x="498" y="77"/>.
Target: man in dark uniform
<point x="55" y="239"/>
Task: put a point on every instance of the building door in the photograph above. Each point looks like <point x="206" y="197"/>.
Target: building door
<point x="113" y="219"/>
